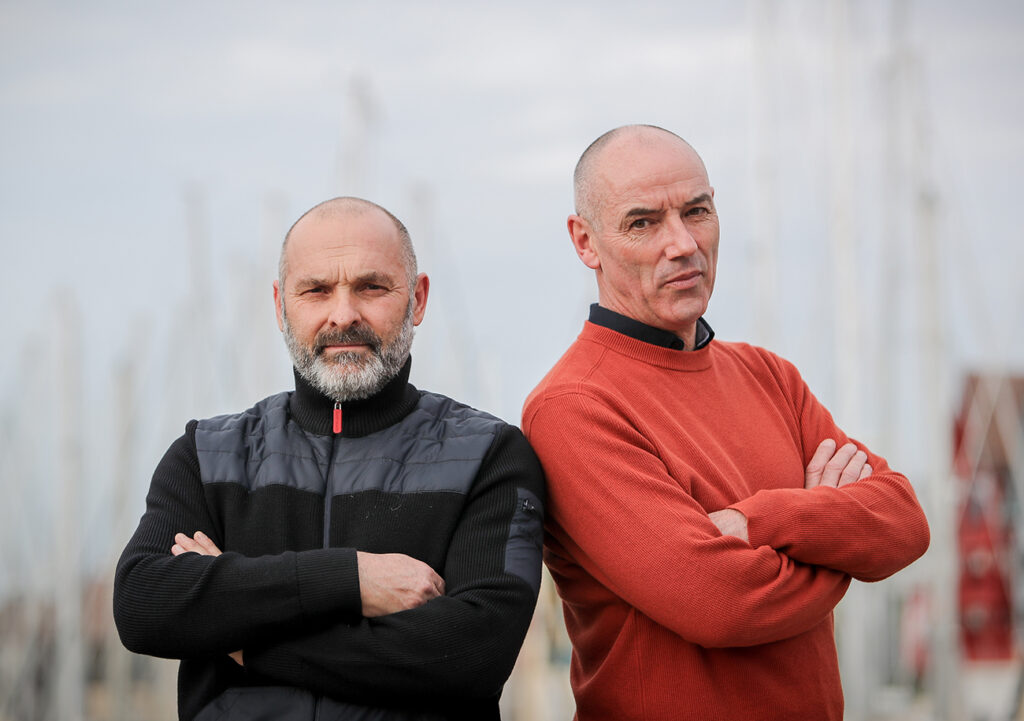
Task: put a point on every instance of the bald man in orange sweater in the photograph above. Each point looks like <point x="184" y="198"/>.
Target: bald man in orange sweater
<point x="706" y="514"/>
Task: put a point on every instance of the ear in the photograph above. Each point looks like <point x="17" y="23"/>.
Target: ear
<point x="420" y="293"/>
<point x="278" y="300"/>
<point x="582" y="236"/>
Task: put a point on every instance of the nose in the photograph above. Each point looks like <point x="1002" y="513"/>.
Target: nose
<point x="344" y="311"/>
<point x="680" y="241"/>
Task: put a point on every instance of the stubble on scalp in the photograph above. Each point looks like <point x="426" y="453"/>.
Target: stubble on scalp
<point x="587" y="188"/>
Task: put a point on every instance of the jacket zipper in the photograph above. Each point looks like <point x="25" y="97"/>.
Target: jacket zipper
<point x="330" y="473"/>
<point x="336" y="427"/>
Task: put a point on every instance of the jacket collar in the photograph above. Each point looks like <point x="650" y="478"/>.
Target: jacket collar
<point x="314" y="411"/>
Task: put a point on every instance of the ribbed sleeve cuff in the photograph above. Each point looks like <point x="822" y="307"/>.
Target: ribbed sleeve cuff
<point x="762" y="518"/>
<point x="328" y="581"/>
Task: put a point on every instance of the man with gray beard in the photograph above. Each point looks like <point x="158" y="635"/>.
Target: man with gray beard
<point x="353" y="549"/>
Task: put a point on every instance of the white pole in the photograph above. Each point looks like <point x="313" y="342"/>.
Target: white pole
<point x="764" y="143"/>
<point x="69" y="697"/>
<point x="852" y="615"/>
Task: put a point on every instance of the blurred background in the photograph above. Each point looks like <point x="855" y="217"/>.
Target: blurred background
<point x="867" y="158"/>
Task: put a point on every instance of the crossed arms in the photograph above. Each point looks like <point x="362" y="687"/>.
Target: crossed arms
<point x="362" y="627"/>
<point x="692" y="543"/>
<point x="830" y="467"/>
<point x="388" y="582"/>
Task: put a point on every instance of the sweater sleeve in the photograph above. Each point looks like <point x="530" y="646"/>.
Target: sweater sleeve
<point x="634" y="529"/>
<point x="463" y="644"/>
<point x="193" y="605"/>
<point x="869" y="529"/>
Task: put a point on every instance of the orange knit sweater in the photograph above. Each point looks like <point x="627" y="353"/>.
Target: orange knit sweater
<point x="668" y="618"/>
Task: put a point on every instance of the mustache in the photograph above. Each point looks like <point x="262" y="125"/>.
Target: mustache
<point x="360" y="334"/>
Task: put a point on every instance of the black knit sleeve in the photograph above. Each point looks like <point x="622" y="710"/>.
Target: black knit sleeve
<point x="460" y="646"/>
<point x="193" y="605"/>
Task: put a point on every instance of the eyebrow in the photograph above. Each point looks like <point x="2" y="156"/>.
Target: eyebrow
<point x="702" y="198"/>
<point x="634" y="212"/>
<point x="376" y="276"/>
<point x="311" y="282"/>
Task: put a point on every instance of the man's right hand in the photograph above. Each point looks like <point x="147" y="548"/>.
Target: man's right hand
<point x="836" y="468"/>
<point x="392" y="582"/>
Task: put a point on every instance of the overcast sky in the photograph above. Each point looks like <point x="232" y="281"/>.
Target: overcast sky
<point x="143" y="141"/>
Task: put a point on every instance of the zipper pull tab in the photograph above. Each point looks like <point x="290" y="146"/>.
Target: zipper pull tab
<point x="337" y="417"/>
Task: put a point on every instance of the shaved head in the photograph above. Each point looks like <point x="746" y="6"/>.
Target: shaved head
<point x="587" y="185"/>
<point x="348" y="207"/>
<point x="646" y="223"/>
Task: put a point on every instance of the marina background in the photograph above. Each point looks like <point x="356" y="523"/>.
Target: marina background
<point x="867" y="158"/>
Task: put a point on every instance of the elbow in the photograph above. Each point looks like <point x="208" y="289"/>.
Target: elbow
<point x="488" y="664"/>
<point x="489" y="669"/>
<point x="488" y="683"/>
<point x="136" y="634"/>
<point x="140" y="627"/>
<point x="902" y="550"/>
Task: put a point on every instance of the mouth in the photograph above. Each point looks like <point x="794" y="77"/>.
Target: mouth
<point x="683" y="281"/>
<point x="336" y="352"/>
<point x="344" y="348"/>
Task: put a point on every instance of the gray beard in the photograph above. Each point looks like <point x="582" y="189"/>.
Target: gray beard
<point x="350" y="376"/>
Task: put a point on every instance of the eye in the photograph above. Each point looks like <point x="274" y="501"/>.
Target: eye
<point x="699" y="210"/>
<point x="640" y="224"/>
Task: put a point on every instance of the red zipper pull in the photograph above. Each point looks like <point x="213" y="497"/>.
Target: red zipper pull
<point x="337" y="417"/>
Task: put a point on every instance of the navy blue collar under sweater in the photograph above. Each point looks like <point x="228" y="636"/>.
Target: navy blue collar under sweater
<point x="599" y="315"/>
<point x="314" y="411"/>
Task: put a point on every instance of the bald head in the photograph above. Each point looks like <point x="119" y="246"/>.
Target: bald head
<point x="591" y="173"/>
<point x="342" y="209"/>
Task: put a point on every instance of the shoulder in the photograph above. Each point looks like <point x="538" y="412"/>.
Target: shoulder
<point x="234" y="432"/>
<point x="769" y="370"/>
<point x="754" y="357"/>
<point x="501" y="447"/>
<point x="442" y="421"/>
<point x="573" y="373"/>
<point x="457" y="417"/>
<point x="271" y="406"/>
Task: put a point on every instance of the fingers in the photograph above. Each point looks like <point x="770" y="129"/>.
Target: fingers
<point x="823" y="454"/>
<point x="183" y="544"/>
<point x="438" y="584"/>
<point x="393" y="582"/>
<point x="837" y="466"/>
<point x="834" y="467"/>
<point x="200" y="543"/>
<point x="854" y="467"/>
<point x="207" y="544"/>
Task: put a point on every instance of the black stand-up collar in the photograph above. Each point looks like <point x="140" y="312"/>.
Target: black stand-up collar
<point x="315" y="412"/>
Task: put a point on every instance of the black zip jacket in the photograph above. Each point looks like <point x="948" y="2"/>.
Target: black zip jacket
<point x="289" y="502"/>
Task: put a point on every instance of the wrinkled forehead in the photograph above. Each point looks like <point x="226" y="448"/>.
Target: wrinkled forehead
<point x="350" y="242"/>
<point x="656" y="182"/>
